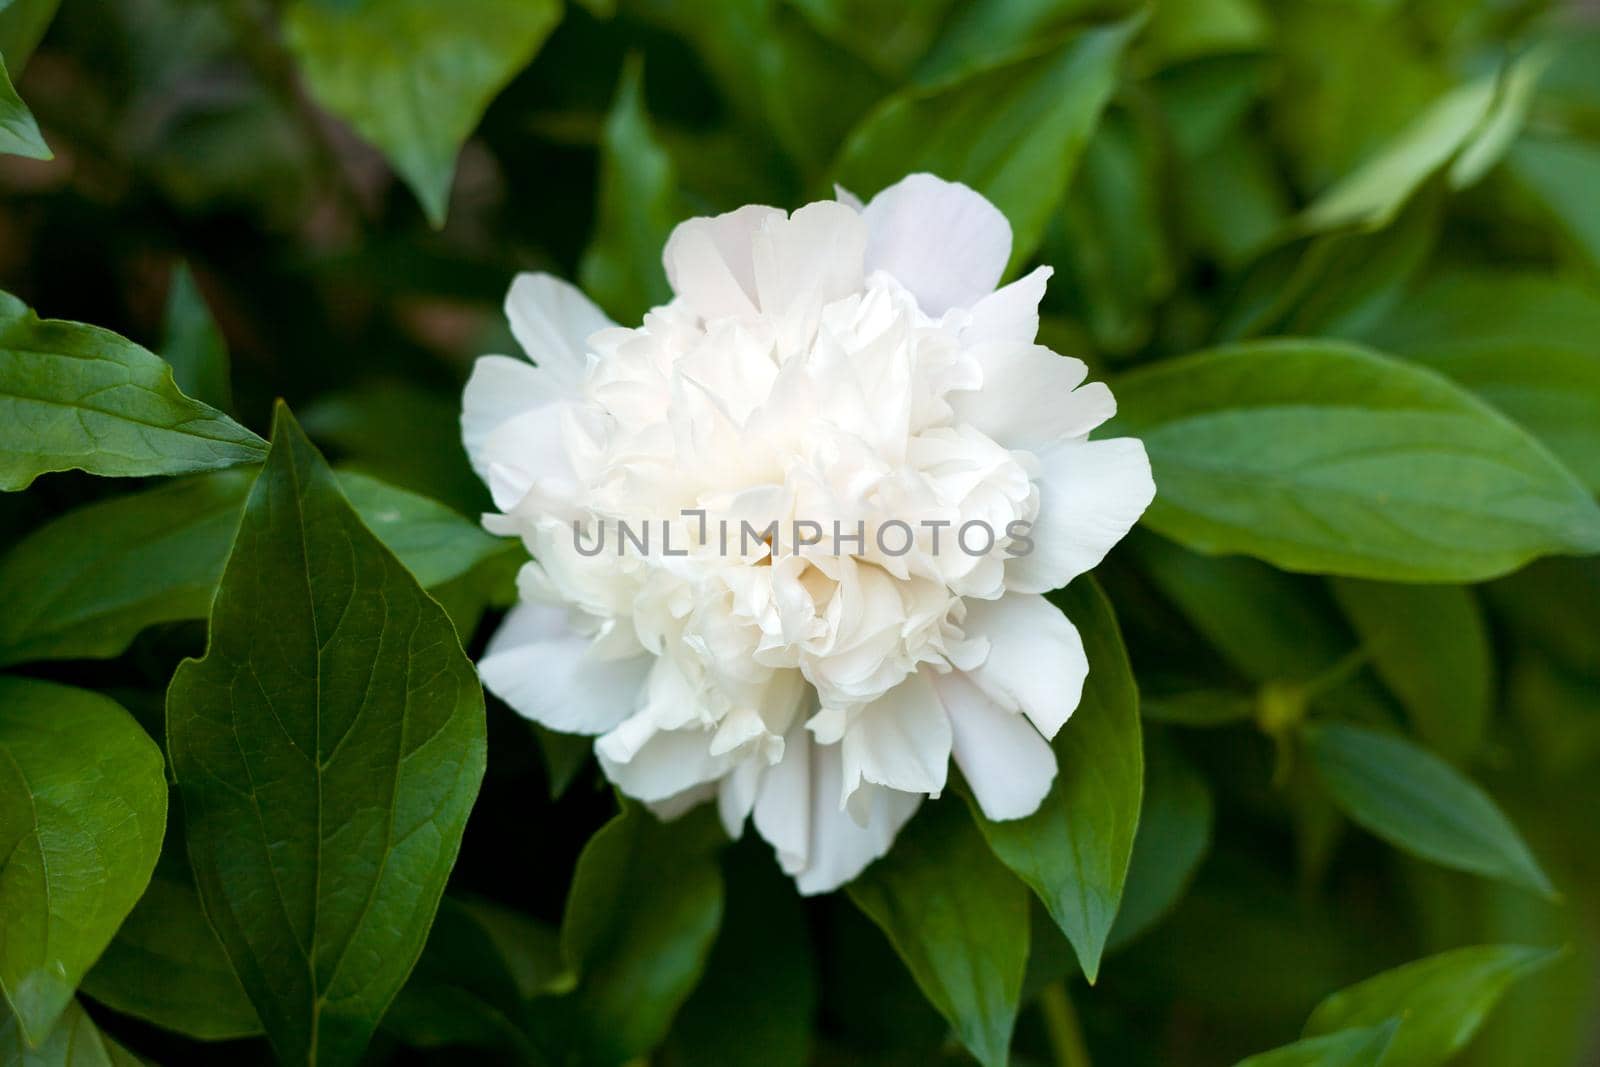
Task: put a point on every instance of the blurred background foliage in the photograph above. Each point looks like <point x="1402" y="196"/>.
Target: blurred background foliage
<point x="345" y="188"/>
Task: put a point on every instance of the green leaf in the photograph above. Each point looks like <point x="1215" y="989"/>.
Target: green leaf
<point x="413" y="76"/>
<point x="75" y="1042"/>
<point x="1197" y="707"/>
<point x="84" y="585"/>
<point x="1174" y="834"/>
<point x="75" y="397"/>
<point x="1357" y="1047"/>
<point x="1561" y="173"/>
<point x="642" y="913"/>
<point x="22" y="24"/>
<point x="889" y="37"/>
<point x="1013" y="132"/>
<point x="464" y="990"/>
<point x="622" y="267"/>
<point x="1326" y="457"/>
<point x="982" y="33"/>
<point x="958" y="919"/>
<point x="1524" y="342"/>
<point x="1075" y="850"/>
<point x="334" y="696"/>
<point x="1440" y="1001"/>
<point x="756" y="1005"/>
<point x="83" y="807"/>
<point x="193" y="345"/>
<point x="165" y="966"/>
<point x="1417" y="802"/>
<point x="19" y="132"/>
<point x="1430" y="646"/>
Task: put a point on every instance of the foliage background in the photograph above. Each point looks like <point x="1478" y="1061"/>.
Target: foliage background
<point x="1422" y="177"/>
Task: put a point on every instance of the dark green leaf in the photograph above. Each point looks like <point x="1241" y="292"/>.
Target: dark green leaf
<point x="166" y="966"/>
<point x="1416" y="801"/>
<point x="1430" y="646"/>
<point x="1356" y="1047"/>
<point x="19" y="133"/>
<point x="193" y="344"/>
<point x="75" y="1042"/>
<point x="1561" y="173"/>
<point x="413" y="76"/>
<point x="958" y="919"/>
<point x="642" y="913"/>
<point x="84" y="585"/>
<point x="74" y="397"/>
<point x="333" y="695"/>
<point x="982" y="33"/>
<point x="622" y="267"/>
<point x="22" y="23"/>
<point x="1326" y="457"/>
<point x="1074" y="851"/>
<point x="1174" y="834"/>
<point x="1012" y="132"/>
<point x="1440" y="1001"/>
<point x="1197" y="707"/>
<point x="83" y="807"/>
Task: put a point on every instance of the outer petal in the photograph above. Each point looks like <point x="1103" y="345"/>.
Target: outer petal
<point x="500" y="389"/>
<point x="660" y="764"/>
<point x="901" y="741"/>
<point x="1009" y="314"/>
<point x="797" y="811"/>
<point x="809" y="259"/>
<point x="941" y="240"/>
<point x="549" y="674"/>
<point x="1032" y="397"/>
<point x="553" y="321"/>
<point x="710" y="261"/>
<point x="1090" y="495"/>
<point x="524" y="451"/>
<point x="1005" y="761"/>
<point x="1036" y="662"/>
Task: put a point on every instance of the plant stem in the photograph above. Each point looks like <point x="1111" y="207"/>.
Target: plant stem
<point x="1061" y="1024"/>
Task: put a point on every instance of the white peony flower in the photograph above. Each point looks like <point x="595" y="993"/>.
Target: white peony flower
<point x="853" y="370"/>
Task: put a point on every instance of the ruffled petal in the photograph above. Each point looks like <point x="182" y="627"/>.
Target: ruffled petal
<point x="1032" y="397"/>
<point x="1090" y="495"/>
<point x="812" y="258"/>
<point x="553" y="321"/>
<point x="941" y="240"/>
<point x="1006" y="763"/>
<point x="710" y="261"/>
<point x="525" y="451"/>
<point x="654" y="765"/>
<point x="1036" y="663"/>
<point x="901" y="741"/>
<point x="548" y="673"/>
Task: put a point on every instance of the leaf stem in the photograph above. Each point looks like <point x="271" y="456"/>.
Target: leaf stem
<point x="1061" y="1025"/>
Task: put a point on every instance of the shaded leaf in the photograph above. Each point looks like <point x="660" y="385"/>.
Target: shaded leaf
<point x="19" y="132"/>
<point x="193" y="345"/>
<point x="622" y="268"/>
<point x="1175" y="825"/>
<point x="1075" y="850"/>
<point x="958" y="919"/>
<point x="1013" y="132"/>
<point x="1356" y="1047"/>
<point x="1440" y="1001"/>
<point x="1416" y="801"/>
<point x="1326" y="457"/>
<point x="332" y="694"/>
<point x="85" y="584"/>
<point x="75" y="397"/>
<point x="414" y="77"/>
<point x="75" y="1042"/>
<point x="83" y="807"/>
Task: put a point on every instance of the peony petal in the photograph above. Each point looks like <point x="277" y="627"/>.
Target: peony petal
<point x="710" y="262"/>
<point x="524" y="451"/>
<point x="941" y="240"/>
<point x="1090" y="495"/>
<point x="662" y="765"/>
<point x="500" y="389"/>
<point x="547" y="673"/>
<point x="1010" y="313"/>
<point x="901" y="741"/>
<point x="682" y="803"/>
<point x="1006" y="763"/>
<point x="839" y="847"/>
<point x="812" y="258"/>
<point x="736" y="795"/>
<point x="553" y="321"/>
<point x="1032" y="397"/>
<point x="1036" y="663"/>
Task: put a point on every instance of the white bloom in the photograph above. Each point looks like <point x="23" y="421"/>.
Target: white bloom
<point x="843" y="364"/>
